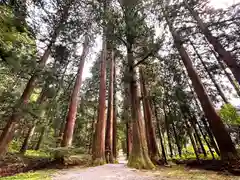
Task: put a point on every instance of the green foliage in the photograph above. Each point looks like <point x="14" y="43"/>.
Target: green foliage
<point x="188" y="153"/>
<point x="38" y="175"/>
<point x="65" y="151"/>
<point x="139" y="162"/>
<point x="40" y="153"/>
<point x="14" y="146"/>
<point x="229" y="114"/>
<point x="183" y="173"/>
<point x="98" y="162"/>
<point x="15" y="46"/>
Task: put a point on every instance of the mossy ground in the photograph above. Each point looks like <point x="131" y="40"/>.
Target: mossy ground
<point x="115" y="161"/>
<point x="37" y="175"/>
<point x="182" y="173"/>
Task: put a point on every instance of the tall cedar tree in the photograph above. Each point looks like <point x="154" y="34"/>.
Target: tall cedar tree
<point x="150" y="130"/>
<point x="226" y="146"/>
<point x="74" y="99"/>
<point x="139" y="157"/>
<point x="98" y="154"/>
<point x="109" y="127"/>
<point x="126" y="113"/>
<point x="114" y="110"/>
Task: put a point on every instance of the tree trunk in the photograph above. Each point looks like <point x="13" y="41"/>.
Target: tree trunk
<point x="224" y="141"/>
<point x="205" y="139"/>
<point x="129" y="138"/>
<point x="177" y="140"/>
<point x="139" y="157"/>
<point x="17" y="113"/>
<point x="210" y="135"/>
<point x="235" y="86"/>
<point x="189" y="131"/>
<point x="27" y="140"/>
<point x="98" y="155"/>
<point x="109" y="126"/>
<point x="220" y="92"/>
<point x="193" y="122"/>
<point x="164" y="157"/>
<point x="225" y="55"/>
<point x="38" y="145"/>
<point x="114" y="110"/>
<point x="168" y="132"/>
<point x="126" y="113"/>
<point x="60" y="135"/>
<point x="73" y="105"/>
<point x="150" y="130"/>
<point x="91" y="135"/>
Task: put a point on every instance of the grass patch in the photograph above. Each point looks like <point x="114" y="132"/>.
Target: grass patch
<point x="37" y="175"/>
<point x="40" y="154"/>
<point x="182" y="173"/>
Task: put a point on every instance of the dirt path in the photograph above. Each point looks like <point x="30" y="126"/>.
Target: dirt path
<point x="105" y="172"/>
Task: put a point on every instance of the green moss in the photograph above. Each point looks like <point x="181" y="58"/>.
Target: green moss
<point x="183" y="173"/>
<point x="80" y="160"/>
<point x="38" y="175"/>
<point x="139" y="162"/>
<point x="115" y="161"/>
<point x="98" y="162"/>
<point x="33" y="153"/>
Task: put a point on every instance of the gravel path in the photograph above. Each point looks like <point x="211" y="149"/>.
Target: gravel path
<point x="105" y="172"/>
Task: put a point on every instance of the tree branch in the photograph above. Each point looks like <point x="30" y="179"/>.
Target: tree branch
<point x="141" y="61"/>
<point x="122" y="40"/>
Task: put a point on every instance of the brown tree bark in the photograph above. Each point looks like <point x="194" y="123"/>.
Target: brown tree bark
<point x="225" y="55"/>
<point x="27" y="139"/>
<point x="109" y="126"/>
<point x="91" y="135"/>
<point x="74" y="100"/>
<point x="139" y="157"/>
<point x="40" y="139"/>
<point x="220" y="92"/>
<point x="189" y="131"/>
<point x="126" y="113"/>
<point x="168" y="132"/>
<point x="150" y="130"/>
<point x="129" y="138"/>
<point x="210" y="135"/>
<point x="226" y="146"/>
<point x="164" y="157"/>
<point x="177" y="140"/>
<point x="222" y="65"/>
<point x="205" y="139"/>
<point x="114" y="111"/>
<point x="193" y="122"/>
<point x="17" y="113"/>
<point x="98" y="155"/>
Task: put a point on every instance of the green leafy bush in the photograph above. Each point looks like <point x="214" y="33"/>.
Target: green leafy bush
<point x="15" y="46"/>
<point x="229" y="114"/>
<point x="14" y="146"/>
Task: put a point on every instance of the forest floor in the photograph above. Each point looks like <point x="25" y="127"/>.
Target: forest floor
<point x="105" y="172"/>
<point x="122" y="172"/>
